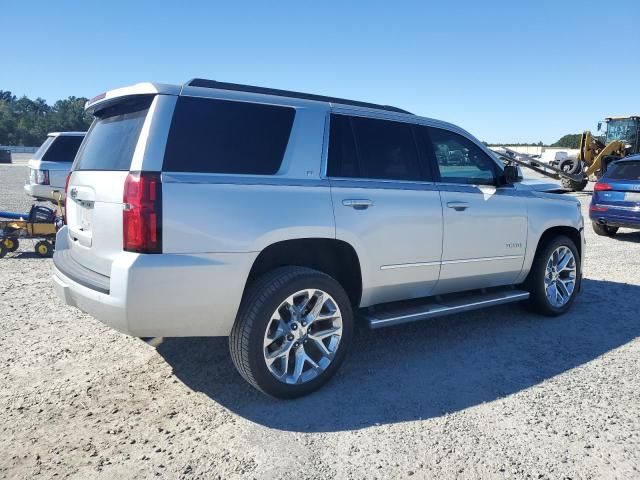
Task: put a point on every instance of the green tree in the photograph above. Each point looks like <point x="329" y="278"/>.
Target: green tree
<point x="26" y="122"/>
<point x="571" y="140"/>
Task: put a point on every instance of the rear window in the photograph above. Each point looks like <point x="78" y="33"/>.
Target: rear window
<point x="113" y="136"/>
<point x="220" y="136"/>
<point x="63" y="149"/>
<point x="43" y="148"/>
<point x="624" y="171"/>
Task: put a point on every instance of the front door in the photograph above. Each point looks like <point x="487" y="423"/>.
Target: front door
<point x="484" y="225"/>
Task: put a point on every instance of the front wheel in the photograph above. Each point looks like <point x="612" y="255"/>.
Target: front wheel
<point x="292" y="331"/>
<point x="555" y="277"/>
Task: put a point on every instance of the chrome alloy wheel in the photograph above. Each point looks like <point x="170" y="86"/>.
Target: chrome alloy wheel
<point x="302" y="336"/>
<point x="560" y="276"/>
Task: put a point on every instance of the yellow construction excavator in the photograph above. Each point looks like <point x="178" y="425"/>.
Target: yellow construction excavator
<point x="621" y="137"/>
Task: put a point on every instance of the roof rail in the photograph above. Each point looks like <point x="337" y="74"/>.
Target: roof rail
<point x="201" y="82"/>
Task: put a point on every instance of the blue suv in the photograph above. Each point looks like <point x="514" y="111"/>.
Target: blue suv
<point x="616" y="197"/>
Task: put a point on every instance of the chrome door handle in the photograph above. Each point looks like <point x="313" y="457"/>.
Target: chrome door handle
<point x="358" y="203"/>
<point x="458" y="206"/>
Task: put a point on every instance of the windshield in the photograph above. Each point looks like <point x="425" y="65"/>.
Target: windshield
<point x="63" y="149"/>
<point x="624" y="130"/>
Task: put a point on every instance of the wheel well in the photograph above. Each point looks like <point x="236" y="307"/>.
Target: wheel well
<point x="336" y="258"/>
<point x="570" y="232"/>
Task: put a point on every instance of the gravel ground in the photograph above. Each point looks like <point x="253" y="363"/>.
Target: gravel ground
<point x="499" y="393"/>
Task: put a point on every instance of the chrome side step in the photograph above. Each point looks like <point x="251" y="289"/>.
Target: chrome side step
<point x="396" y="313"/>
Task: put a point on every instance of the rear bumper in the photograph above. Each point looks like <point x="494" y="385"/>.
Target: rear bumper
<point x="614" y="217"/>
<point x="44" y="192"/>
<point x="169" y="295"/>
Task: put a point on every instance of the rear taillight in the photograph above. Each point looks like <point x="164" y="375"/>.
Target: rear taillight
<point x="66" y="191"/>
<point x="142" y="216"/>
<point x="42" y="177"/>
<point x="600" y="186"/>
<point x="598" y="208"/>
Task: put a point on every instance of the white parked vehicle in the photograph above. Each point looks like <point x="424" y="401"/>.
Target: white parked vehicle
<point x="279" y="219"/>
<point x="553" y="157"/>
<point x="50" y="165"/>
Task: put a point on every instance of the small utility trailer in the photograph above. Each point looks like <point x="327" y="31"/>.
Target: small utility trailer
<point x="40" y="224"/>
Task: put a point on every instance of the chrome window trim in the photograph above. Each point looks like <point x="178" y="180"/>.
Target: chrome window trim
<point x="234" y="179"/>
<point x="345" y="182"/>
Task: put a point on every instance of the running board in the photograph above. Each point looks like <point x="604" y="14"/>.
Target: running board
<point x="395" y="313"/>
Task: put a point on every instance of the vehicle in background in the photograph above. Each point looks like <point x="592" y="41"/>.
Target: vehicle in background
<point x="50" y="165"/>
<point x="553" y="157"/>
<point x="5" y="155"/>
<point x="615" y="201"/>
<point x="278" y="218"/>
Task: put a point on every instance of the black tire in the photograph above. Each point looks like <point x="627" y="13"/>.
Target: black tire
<point x="11" y="244"/>
<point x="260" y="301"/>
<point x="535" y="284"/>
<point x="573" y="185"/>
<point x="573" y="167"/>
<point x="3" y="250"/>
<point x="44" y="248"/>
<point x="604" y="230"/>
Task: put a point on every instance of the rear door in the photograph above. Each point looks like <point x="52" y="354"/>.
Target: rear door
<point x="485" y="225"/>
<point x="385" y="205"/>
<point x="94" y="207"/>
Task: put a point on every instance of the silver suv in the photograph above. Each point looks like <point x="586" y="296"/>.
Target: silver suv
<point x="280" y="219"/>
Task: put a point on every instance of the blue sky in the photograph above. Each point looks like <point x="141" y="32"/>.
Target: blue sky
<point x="504" y="70"/>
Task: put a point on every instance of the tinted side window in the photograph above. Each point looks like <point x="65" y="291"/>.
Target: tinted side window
<point x="382" y="149"/>
<point x="63" y="149"/>
<point x="459" y="160"/>
<point x="343" y="161"/>
<point x="220" y="136"/>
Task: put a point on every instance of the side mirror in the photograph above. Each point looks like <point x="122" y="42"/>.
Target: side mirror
<point x="510" y="175"/>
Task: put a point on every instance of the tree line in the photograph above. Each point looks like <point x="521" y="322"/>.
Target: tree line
<point x="26" y="122"/>
<point x="571" y="140"/>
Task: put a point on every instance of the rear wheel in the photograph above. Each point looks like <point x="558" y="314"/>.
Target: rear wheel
<point x="11" y="244"/>
<point x="555" y="276"/>
<point x="3" y="250"/>
<point x="44" y="248"/>
<point x="292" y="332"/>
<point x="604" y="230"/>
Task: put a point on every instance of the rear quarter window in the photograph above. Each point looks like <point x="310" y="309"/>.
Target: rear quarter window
<point x="63" y="148"/>
<point x="221" y="136"/>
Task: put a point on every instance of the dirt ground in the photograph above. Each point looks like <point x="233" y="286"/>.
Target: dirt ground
<point x="500" y="393"/>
